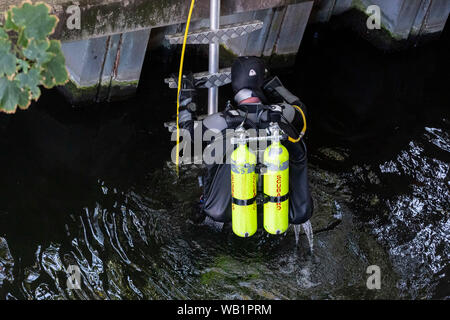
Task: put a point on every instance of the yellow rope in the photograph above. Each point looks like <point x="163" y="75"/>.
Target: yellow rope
<point x="180" y="74"/>
<point x="302" y="133"/>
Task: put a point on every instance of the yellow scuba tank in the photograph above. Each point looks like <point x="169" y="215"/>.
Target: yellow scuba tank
<point x="243" y="191"/>
<point x="276" y="188"/>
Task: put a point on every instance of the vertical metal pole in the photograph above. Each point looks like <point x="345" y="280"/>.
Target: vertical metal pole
<point x="213" y="93"/>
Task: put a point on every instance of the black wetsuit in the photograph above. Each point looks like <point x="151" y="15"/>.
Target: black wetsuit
<point x="217" y="184"/>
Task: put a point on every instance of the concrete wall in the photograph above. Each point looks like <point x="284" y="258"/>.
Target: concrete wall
<point x="106" y="17"/>
<point x="438" y="12"/>
<point x="104" y="57"/>
<point x="405" y="18"/>
<point x="279" y="38"/>
<point x="324" y="9"/>
<point x="398" y="15"/>
<point x="104" y="68"/>
<point x="402" y="18"/>
<point x="108" y="67"/>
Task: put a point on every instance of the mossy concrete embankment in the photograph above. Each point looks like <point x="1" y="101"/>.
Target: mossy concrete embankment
<point x="106" y="17"/>
<point x="403" y="23"/>
<point x="105" y="54"/>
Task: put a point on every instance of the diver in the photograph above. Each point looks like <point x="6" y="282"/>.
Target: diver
<point x="260" y="102"/>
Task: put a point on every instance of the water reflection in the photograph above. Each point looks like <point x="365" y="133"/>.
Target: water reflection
<point x="128" y="247"/>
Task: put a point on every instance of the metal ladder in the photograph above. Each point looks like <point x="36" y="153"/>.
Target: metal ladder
<point x="214" y="35"/>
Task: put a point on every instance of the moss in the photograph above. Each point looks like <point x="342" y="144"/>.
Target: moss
<point x="117" y="283"/>
<point x="122" y="89"/>
<point x="125" y="83"/>
<point x="355" y="20"/>
<point x="227" y="268"/>
<point x="79" y="95"/>
<point x="333" y="154"/>
<point x="210" y="277"/>
<point x="360" y="6"/>
<point x="115" y="16"/>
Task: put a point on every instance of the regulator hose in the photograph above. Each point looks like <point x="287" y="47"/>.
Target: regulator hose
<point x="302" y="133"/>
<point x="180" y="75"/>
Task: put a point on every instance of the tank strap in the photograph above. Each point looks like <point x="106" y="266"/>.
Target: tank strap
<point x="241" y="202"/>
<point x="268" y="198"/>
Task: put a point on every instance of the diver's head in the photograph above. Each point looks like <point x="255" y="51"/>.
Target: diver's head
<point x="247" y="78"/>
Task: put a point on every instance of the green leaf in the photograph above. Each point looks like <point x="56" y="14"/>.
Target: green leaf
<point x="22" y="65"/>
<point x="24" y="99"/>
<point x="30" y="81"/>
<point x="7" y="59"/>
<point x="41" y="60"/>
<point x="9" y="24"/>
<point x="11" y="95"/>
<point x="22" y="41"/>
<point x="35" y="20"/>
<point x="3" y="34"/>
<point x="37" y="50"/>
<point x="54" y="72"/>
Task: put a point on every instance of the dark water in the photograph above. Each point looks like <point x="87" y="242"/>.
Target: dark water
<point x="95" y="188"/>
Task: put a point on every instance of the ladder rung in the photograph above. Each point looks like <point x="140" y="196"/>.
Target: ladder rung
<point x="206" y="79"/>
<point x="225" y="33"/>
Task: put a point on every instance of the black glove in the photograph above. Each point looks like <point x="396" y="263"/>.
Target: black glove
<point x="188" y="93"/>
